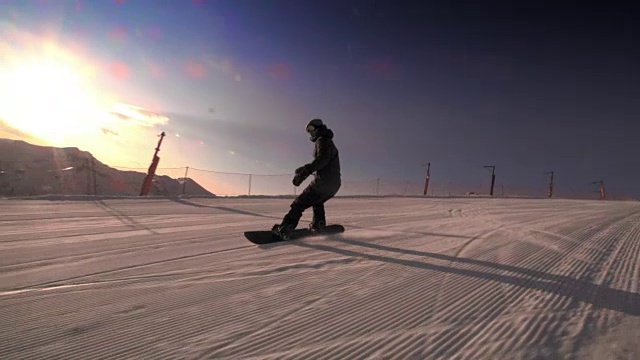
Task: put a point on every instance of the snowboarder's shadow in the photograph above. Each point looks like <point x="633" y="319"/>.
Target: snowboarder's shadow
<point x="410" y="232"/>
<point x="580" y="290"/>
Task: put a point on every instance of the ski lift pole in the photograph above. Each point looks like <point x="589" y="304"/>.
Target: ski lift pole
<point x="493" y="177"/>
<point x="146" y="184"/>
<point x="550" y="194"/>
<point x="426" y="180"/>
<point x="601" y="189"/>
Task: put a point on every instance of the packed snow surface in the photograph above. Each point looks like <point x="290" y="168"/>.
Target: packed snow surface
<point x="411" y="278"/>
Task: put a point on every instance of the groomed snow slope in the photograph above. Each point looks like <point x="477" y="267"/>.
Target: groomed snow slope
<point x="410" y="278"/>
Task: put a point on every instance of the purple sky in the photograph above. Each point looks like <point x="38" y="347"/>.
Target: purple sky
<point x="460" y="84"/>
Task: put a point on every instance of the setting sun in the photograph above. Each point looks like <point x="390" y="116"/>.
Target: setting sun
<point x="47" y="95"/>
<point x="54" y="92"/>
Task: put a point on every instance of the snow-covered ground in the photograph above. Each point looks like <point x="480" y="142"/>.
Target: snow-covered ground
<point x="410" y="278"/>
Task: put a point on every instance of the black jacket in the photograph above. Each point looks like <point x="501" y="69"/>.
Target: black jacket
<point x="326" y="161"/>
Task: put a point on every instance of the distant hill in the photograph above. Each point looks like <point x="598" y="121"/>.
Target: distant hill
<point x="29" y="170"/>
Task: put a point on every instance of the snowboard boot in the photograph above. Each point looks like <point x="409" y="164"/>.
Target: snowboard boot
<point x="283" y="231"/>
<point x="317" y="226"/>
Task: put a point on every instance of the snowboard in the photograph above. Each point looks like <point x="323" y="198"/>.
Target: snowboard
<point x="267" y="237"/>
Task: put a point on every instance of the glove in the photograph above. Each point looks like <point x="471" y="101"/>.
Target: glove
<point x="302" y="173"/>
<point x="298" y="179"/>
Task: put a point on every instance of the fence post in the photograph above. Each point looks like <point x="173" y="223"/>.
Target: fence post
<point x="184" y="182"/>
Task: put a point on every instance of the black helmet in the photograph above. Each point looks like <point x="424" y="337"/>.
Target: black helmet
<point x="313" y="128"/>
<point x="314" y="124"/>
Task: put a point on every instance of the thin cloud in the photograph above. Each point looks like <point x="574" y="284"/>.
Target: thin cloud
<point x="138" y="115"/>
<point x="120" y="116"/>
<point x="107" y="131"/>
<point x="10" y="132"/>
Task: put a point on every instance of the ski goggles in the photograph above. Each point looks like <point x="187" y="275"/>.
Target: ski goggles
<point x="310" y="128"/>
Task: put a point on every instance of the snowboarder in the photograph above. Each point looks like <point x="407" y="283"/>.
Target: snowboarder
<point x="326" y="168"/>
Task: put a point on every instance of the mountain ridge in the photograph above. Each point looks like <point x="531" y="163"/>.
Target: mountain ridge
<point x="32" y="170"/>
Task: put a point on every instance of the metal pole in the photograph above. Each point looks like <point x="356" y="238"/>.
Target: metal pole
<point x="550" y="194"/>
<point x="378" y="187"/>
<point x="250" y="184"/>
<point x="426" y="181"/>
<point x="146" y="184"/>
<point x="493" y="183"/>
<point x="601" y="190"/>
<point x="493" y="177"/>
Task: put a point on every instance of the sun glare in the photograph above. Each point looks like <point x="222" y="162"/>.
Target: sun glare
<point x="48" y="95"/>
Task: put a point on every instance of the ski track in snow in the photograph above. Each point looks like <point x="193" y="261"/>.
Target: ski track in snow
<point x="411" y="278"/>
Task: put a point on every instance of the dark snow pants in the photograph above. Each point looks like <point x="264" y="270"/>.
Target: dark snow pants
<point x="313" y="196"/>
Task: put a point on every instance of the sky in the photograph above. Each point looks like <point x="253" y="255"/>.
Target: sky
<point x="522" y="86"/>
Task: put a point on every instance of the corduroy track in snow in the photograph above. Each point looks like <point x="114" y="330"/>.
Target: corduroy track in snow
<point x="411" y="278"/>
